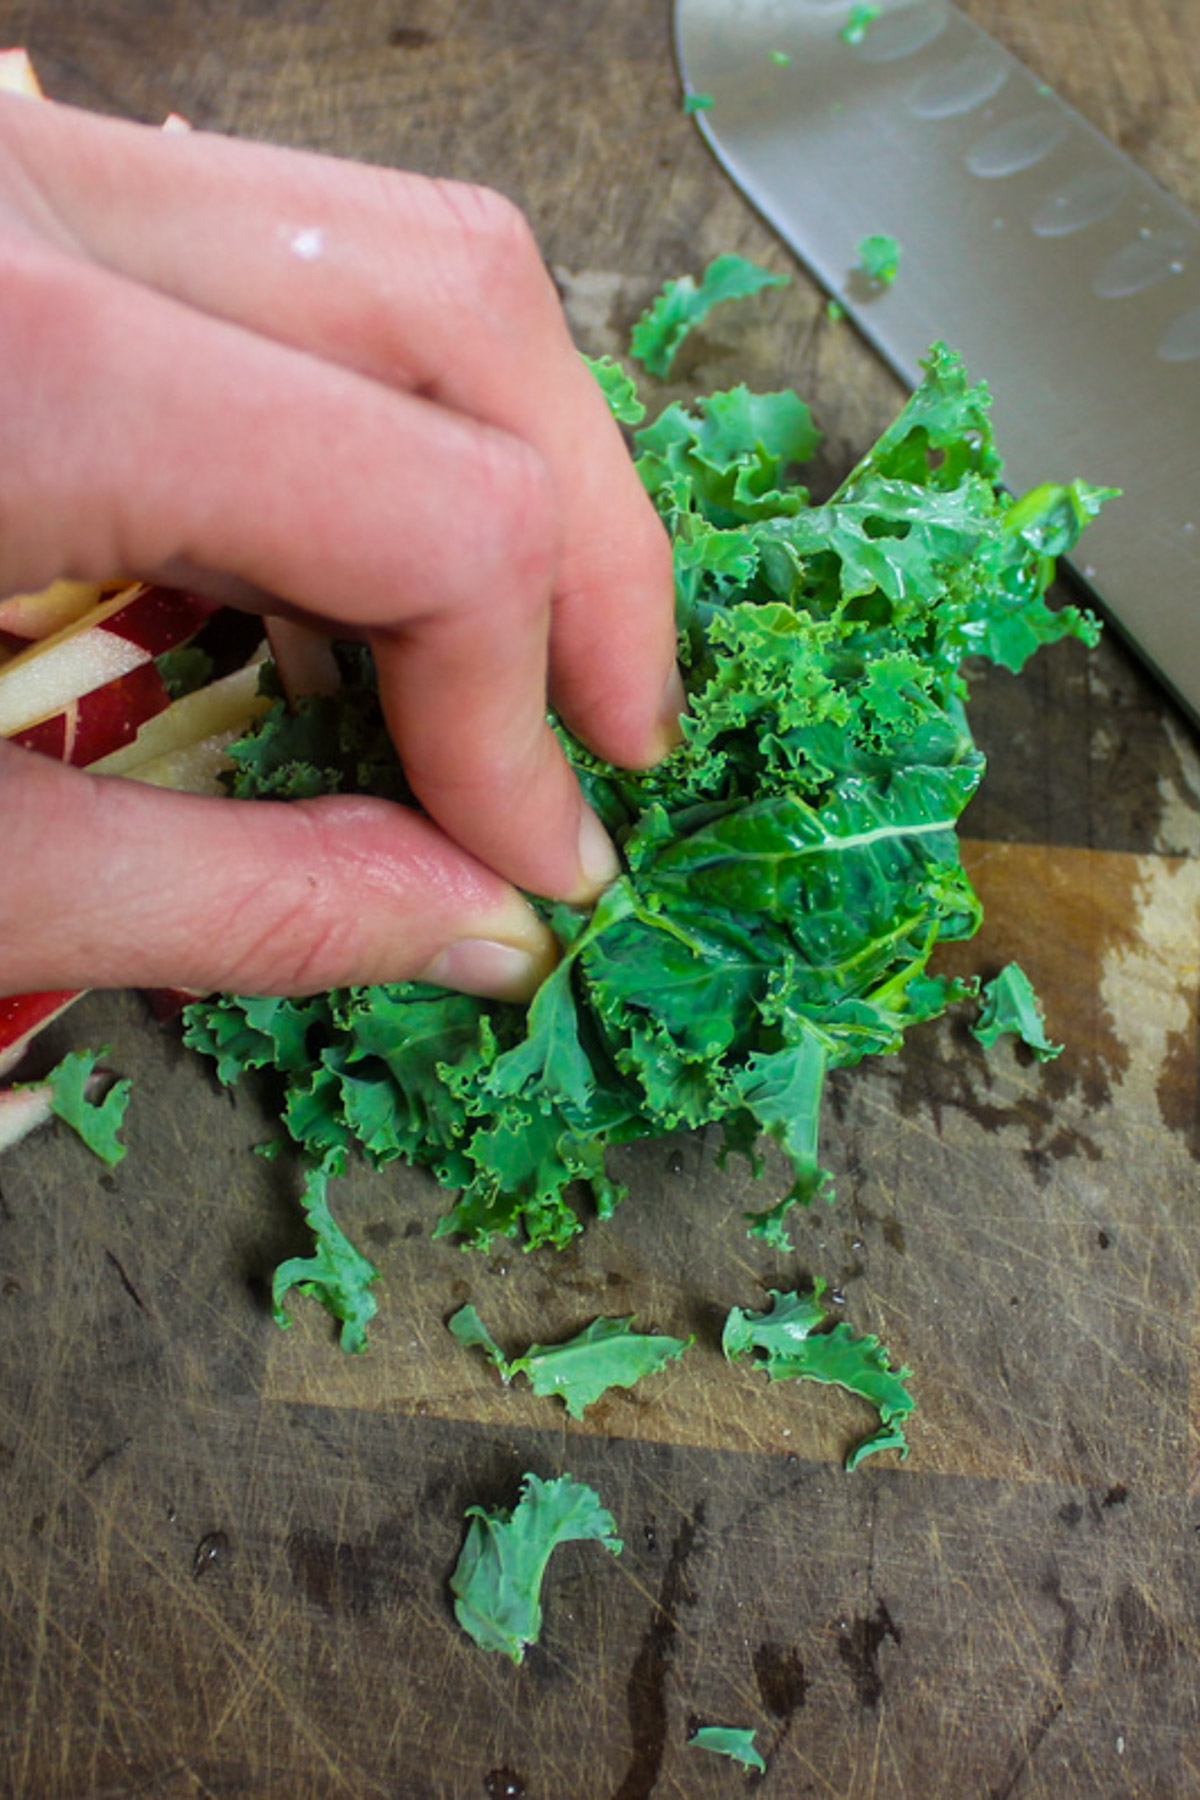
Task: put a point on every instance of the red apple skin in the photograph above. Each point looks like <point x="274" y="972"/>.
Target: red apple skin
<point x="100" y="722"/>
<point x="159" y="618"/>
<point x="22" y="1016"/>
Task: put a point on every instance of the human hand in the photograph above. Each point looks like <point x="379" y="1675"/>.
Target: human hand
<point x="300" y="385"/>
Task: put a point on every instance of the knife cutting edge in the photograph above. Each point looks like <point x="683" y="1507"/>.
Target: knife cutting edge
<point x="1063" y="275"/>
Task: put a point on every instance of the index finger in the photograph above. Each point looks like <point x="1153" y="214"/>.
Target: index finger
<point x="434" y="287"/>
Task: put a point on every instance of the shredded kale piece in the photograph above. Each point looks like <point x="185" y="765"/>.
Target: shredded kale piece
<point x="863" y="15"/>
<point x="497" y="1581"/>
<point x="878" y="259"/>
<point x="184" y="669"/>
<point x="732" y="1741"/>
<point x="607" y="1353"/>
<point x="337" y="1274"/>
<point x="619" y="389"/>
<point x="790" y="869"/>
<point x="793" y="1339"/>
<point x="694" y="103"/>
<point x="97" y="1120"/>
<point x="683" y="304"/>
<point x="1010" y="1005"/>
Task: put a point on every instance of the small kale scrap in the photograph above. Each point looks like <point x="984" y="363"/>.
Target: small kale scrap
<point x="497" y="1581"/>
<point x="878" y="259"/>
<point x="789" y="871"/>
<point x="684" y="303"/>
<point x="863" y="15"/>
<point x="1010" y="1005"/>
<point x="793" y="1340"/>
<point x="72" y="1092"/>
<point x="734" y="1741"/>
<point x="337" y="1275"/>
<point x="607" y="1353"/>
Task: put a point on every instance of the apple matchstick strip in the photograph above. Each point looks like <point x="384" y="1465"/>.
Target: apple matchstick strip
<point x="132" y="628"/>
<point x="101" y="721"/>
<point x="27" y="618"/>
<point x="17" y="75"/>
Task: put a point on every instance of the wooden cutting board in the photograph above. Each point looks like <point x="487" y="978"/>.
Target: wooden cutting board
<point x="224" y="1548"/>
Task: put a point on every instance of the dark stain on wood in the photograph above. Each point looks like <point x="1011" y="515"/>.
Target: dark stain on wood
<point x="409" y="37"/>
<point x="859" y="1645"/>
<point x="781" y="1677"/>
<point x="646" y="1690"/>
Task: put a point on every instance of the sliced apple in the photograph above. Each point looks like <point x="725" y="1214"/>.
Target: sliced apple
<point x="25" y="618"/>
<point x="100" y="722"/>
<point x="22" y="1016"/>
<point x="17" y="75"/>
<point x="112" y="638"/>
<point x="184" y="746"/>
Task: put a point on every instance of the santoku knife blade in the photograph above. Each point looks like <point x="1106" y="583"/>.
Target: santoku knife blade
<point x="1064" y="276"/>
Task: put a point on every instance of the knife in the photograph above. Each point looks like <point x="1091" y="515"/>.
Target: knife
<point x="1064" y="276"/>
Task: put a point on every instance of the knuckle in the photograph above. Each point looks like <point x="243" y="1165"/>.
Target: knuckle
<point x="497" y="243"/>
<point x="515" y="520"/>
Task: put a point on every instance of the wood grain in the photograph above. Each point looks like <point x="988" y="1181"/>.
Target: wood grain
<point x="224" y="1549"/>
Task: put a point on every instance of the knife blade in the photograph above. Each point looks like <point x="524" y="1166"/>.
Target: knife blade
<point x="1062" y="274"/>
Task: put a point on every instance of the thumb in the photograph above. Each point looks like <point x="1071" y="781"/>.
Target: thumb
<point x="110" y="883"/>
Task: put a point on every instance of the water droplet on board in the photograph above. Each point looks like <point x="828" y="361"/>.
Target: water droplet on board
<point x="1142" y="263"/>
<point x="1017" y="144"/>
<point x="960" y="88"/>
<point x="904" y="32"/>
<point x="1080" y="202"/>
<point x="503" y="1784"/>
<point x="213" y="1546"/>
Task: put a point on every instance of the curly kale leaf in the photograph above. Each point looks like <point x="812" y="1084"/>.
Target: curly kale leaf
<point x="337" y="1274"/>
<point x="607" y="1353"/>
<point x="96" y="1118"/>
<point x="793" y="1339"/>
<point x="497" y="1581"/>
<point x="790" y="869"/>
<point x="684" y="303"/>
<point x="1011" y="1006"/>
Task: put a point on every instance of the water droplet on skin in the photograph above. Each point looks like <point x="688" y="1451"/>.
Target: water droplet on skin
<point x="308" y="243"/>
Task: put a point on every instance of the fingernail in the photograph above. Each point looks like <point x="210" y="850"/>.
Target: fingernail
<point x="598" y="858"/>
<point x="486" y="967"/>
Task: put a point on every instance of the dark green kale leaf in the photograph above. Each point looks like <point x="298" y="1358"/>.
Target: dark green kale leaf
<point x="498" y="1578"/>
<point x="790" y="869"/>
